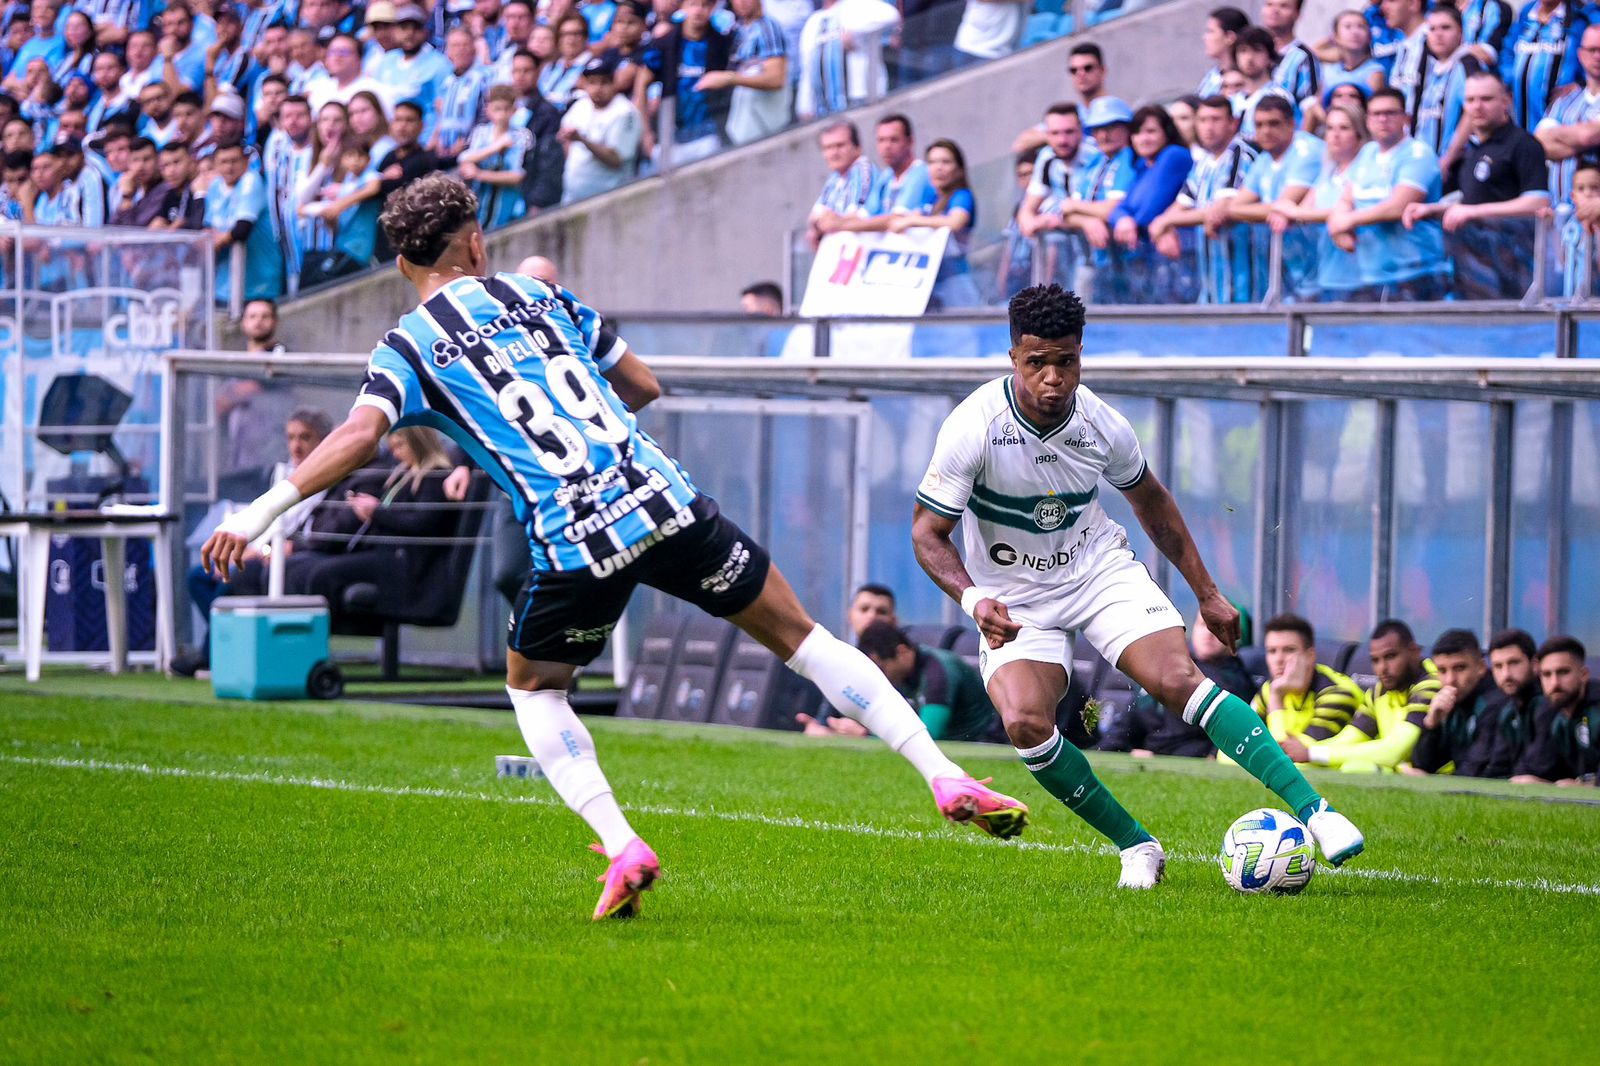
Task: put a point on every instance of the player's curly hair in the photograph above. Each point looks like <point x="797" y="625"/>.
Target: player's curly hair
<point x="421" y="218"/>
<point x="1048" y="312"/>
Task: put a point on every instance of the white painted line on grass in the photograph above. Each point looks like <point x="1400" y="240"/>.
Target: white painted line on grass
<point x="1535" y="884"/>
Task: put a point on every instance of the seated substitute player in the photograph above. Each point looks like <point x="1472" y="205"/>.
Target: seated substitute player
<point x="946" y="691"/>
<point x="1022" y="458"/>
<point x="1459" y="734"/>
<point x="1303" y="699"/>
<point x="538" y="391"/>
<point x="1382" y="734"/>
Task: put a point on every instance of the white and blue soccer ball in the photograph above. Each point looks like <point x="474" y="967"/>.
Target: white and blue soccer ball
<point x="1268" y="851"/>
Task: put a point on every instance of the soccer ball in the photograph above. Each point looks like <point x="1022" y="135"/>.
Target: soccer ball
<point x="1268" y="851"/>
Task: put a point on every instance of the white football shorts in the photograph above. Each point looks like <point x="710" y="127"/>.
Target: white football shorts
<point x="1117" y="604"/>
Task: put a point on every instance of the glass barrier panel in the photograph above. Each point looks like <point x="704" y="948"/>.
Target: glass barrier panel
<point x="1330" y="477"/>
<point x="1217" y="455"/>
<point x="88" y="314"/>
<point x="1493" y="259"/>
<point x="1535" y="522"/>
<point x="1583" y="521"/>
<point x="1441" y="509"/>
<point x="1464" y="336"/>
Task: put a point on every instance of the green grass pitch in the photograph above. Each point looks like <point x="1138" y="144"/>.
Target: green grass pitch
<point x="192" y="881"/>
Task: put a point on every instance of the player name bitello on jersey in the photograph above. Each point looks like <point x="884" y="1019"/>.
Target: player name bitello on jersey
<point x="1030" y="494"/>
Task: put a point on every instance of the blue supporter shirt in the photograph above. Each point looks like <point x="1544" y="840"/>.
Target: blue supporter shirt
<point x="694" y="116"/>
<point x="1057" y="179"/>
<point x="1337" y="270"/>
<point x="1109" y="177"/>
<point x="1299" y="165"/>
<point x="1444" y="92"/>
<point x="460" y="107"/>
<point x="892" y="196"/>
<point x="500" y="205"/>
<point x="1486" y="22"/>
<point x="418" y="79"/>
<point x="1335" y="74"/>
<point x="1299" y="72"/>
<point x="512" y="370"/>
<point x="1386" y="40"/>
<point x="1539" y="57"/>
<point x="847" y="193"/>
<point x="1573" y="108"/>
<point x="1388" y="252"/>
<point x="263" y="264"/>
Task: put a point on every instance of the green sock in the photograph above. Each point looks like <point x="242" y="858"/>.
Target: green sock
<point x="1236" y="729"/>
<point x="1066" y="775"/>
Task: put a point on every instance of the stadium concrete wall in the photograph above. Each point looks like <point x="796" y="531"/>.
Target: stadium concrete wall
<point x="692" y="240"/>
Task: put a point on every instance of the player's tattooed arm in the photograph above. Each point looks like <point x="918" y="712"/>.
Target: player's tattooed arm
<point x="936" y="553"/>
<point x="1159" y="515"/>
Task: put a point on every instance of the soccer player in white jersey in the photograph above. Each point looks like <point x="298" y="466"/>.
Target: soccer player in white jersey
<point x="1019" y="463"/>
<point x="535" y="385"/>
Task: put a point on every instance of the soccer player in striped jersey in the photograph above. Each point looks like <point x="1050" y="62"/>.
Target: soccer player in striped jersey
<point x="460" y="105"/>
<point x="541" y="393"/>
<point x="1444" y="89"/>
<point x="1383" y="732"/>
<point x="1570" y="130"/>
<point x="1541" y="54"/>
<point x="1018" y="464"/>
<point x="1223" y="250"/>
<point x="1302" y="698"/>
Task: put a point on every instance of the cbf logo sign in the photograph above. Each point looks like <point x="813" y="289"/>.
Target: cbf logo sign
<point x="131" y="320"/>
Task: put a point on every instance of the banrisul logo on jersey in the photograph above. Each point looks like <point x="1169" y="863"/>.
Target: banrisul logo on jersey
<point x="1049" y="513"/>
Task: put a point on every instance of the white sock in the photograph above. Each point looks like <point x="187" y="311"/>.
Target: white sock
<point x="858" y="689"/>
<point x="565" y="752"/>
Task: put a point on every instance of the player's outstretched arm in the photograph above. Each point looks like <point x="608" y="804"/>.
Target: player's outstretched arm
<point x="937" y="555"/>
<point x="340" y="454"/>
<point x="633" y="381"/>
<point x="1163" y="522"/>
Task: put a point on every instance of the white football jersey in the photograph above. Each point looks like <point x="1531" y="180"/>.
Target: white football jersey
<point x="1030" y="497"/>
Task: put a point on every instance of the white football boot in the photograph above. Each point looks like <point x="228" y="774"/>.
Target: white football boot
<point x="1336" y="835"/>
<point x="1143" y="865"/>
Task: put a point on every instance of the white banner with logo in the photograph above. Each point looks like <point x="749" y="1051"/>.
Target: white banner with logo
<point x="887" y="274"/>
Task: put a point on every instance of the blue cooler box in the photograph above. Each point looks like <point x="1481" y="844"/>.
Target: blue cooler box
<point x="266" y="649"/>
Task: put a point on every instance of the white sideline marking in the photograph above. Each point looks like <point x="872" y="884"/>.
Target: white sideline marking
<point x="1535" y="884"/>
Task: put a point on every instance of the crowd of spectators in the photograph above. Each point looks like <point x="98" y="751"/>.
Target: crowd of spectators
<point x="280" y="126"/>
<point x="1405" y="152"/>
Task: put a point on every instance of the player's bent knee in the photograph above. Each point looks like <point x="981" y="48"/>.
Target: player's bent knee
<point x="1028" y="727"/>
<point x="1177" y="683"/>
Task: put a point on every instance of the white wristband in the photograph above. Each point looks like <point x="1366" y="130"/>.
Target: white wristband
<point x="253" y="521"/>
<point x="1319" y="756"/>
<point x="970" y="599"/>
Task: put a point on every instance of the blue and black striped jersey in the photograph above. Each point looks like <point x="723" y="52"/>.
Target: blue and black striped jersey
<point x="511" y="369"/>
<point x="1540" y="56"/>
